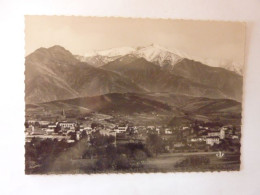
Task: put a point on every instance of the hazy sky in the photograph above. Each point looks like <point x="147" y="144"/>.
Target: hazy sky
<point x="201" y="39"/>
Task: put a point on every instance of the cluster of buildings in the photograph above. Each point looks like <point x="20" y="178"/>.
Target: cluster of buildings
<point x="215" y="137"/>
<point x="188" y="135"/>
<point x="177" y="137"/>
<point x="70" y="131"/>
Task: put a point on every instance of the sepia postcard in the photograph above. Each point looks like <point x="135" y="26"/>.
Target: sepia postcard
<point x="132" y="95"/>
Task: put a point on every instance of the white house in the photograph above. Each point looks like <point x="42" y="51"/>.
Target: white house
<point x="88" y="130"/>
<point x="151" y="127"/>
<point x="69" y="125"/>
<point x="44" y="122"/>
<point x="31" y="122"/>
<point x="168" y="131"/>
<point x="222" y="134"/>
<point x="52" y="126"/>
<point x="184" y="128"/>
<point x="212" y="140"/>
<point x="121" y="129"/>
<point x="197" y="139"/>
<point x="214" y="134"/>
<point x="107" y="132"/>
<point x="78" y="135"/>
<point x="49" y="131"/>
<point x="179" y="145"/>
<point x="81" y="127"/>
<point x="70" y="131"/>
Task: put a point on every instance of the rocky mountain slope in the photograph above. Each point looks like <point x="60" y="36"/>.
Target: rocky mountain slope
<point x="186" y="77"/>
<point x="228" y="82"/>
<point x="54" y="73"/>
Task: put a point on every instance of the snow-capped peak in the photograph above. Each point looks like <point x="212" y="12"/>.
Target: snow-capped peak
<point x="113" y="52"/>
<point x="158" y="54"/>
<point x="155" y="53"/>
<point x="117" y="51"/>
<point x="152" y="53"/>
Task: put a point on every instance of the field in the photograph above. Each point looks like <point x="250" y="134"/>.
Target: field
<point x="166" y="162"/>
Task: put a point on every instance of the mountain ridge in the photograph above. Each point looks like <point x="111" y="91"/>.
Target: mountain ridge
<point x="153" y="104"/>
<point x="54" y="73"/>
<point x="158" y="79"/>
<point x="226" y="81"/>
<point x="154" y="53"/>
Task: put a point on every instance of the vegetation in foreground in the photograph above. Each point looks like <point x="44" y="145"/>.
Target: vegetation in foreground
<point x="99" y="154"/>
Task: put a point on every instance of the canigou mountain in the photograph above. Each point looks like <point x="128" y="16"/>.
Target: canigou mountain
<point x="67" y="77"/>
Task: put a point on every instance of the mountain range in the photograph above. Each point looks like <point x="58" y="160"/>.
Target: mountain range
<point x="156" y="79"/>
<point x="153" y="53"/>
<point x="56" y="74"/>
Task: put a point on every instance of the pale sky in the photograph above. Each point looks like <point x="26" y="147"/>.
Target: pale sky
<point x="220" y="41"/>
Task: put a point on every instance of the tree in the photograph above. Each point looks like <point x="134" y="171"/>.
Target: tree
<point x="77" y="128"/>
<point x="83" y="134"/>
<point x="111" y="139"/>
<point x="154" y="143"/>
<point x="122" y="162"/>
<point x="94" y="125"/>
<point x="102" y="164"/>
<point x="72" y="135"/>
<point x="26" y="124"/>
<point x="37" y="124"/>
<point x="139" y="155"/>
<point x="57" y="129"/>
<point x="111" y="151"/>
<point x="101" y="140"/>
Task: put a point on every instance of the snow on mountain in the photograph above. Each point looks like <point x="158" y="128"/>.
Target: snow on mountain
<point x="96" y="60"/>
<point x="112" y="52"/>
<point x="158" y="55"/>
<point x="121" y="51"/>
<point x="101" y="57"/>
<point x="152" y="53"/>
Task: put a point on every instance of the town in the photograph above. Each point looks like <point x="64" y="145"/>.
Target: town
<point x="181" y="137"/>
<point x="193" y="137"/>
